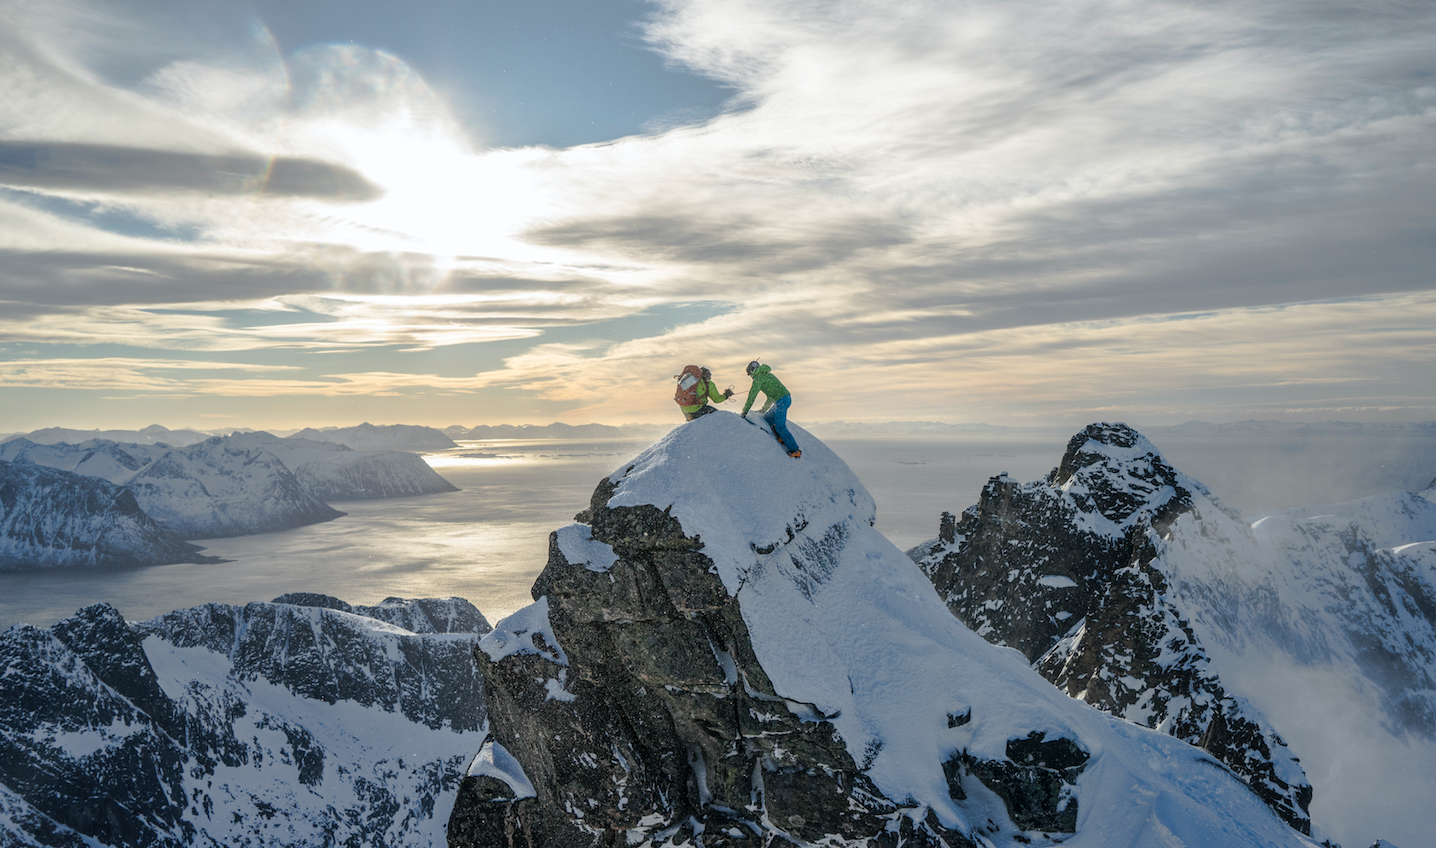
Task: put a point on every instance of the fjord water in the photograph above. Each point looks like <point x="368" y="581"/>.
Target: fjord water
<point x="488" y="541"/>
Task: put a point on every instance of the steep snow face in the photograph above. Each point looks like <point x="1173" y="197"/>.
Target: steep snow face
<point x="264" y="725"/>
<point x="852" y="637"/>
<point x="51" y="518"/>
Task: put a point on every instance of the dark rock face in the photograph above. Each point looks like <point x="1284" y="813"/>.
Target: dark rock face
<point x="1061" y="569"/>
<point x="231" y="725"/>
<point x="651" y="715"/>
<point x="51" y="518"/>
<point x="629" y="708"/>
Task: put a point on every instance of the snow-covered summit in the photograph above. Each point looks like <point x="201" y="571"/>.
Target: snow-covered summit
<point x="752" y="659"/>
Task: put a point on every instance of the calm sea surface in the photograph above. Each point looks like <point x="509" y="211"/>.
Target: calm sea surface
<point x="489" y="540"/>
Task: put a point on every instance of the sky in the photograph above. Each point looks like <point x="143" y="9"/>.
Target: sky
<point x="314" y="213"/>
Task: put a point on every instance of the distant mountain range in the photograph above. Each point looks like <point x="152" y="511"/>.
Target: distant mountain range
<point x="369" y="437"/>
<point x="151" y="435"/>
<point x="224" y="486"/>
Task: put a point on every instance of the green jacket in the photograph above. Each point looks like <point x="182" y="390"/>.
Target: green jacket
<point x="703" y="395"/>
<point x="773" y="390"/>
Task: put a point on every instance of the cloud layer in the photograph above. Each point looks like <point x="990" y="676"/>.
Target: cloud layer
<point x="1017" y="211"/>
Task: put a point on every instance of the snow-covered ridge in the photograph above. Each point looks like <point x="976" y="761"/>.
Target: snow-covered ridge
<point x="265" y="725"/>
<point x="772" y="650"/>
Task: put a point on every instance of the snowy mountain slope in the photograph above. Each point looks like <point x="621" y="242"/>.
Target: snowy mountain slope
<point x="218" y="488"/>
<point x="724" y="651"/>
<point x="368" y="437"/>
<point x="1312" y="631"/>
<point x="324" y="470"/>
<point x="224" y="486"/>
<point x="333" y="472"/>
<point x="264" y="725"/>
<point x="111" y="461"/>
<point x="51" y="518"/>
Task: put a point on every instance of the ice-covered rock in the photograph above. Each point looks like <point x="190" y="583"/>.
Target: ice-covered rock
<point x="265" y="725"/>
<point x="735" y="656"/>
<point x="368" y="437"/>
<point x="1130" y="587"/>
<point x="51" y="518"/>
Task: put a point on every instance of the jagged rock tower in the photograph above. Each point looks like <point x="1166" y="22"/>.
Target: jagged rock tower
<point x="1066" y="571"/>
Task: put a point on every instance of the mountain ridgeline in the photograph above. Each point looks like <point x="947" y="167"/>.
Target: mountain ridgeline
<point x="723" y="651"/>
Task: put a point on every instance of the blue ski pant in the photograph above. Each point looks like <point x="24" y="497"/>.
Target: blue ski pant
<point x="777" y="418"/>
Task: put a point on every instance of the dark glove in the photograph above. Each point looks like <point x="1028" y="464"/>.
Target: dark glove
<point x="727" y="393"/>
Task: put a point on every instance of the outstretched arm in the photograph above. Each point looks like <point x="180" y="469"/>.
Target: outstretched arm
<point x="752" y="393"/>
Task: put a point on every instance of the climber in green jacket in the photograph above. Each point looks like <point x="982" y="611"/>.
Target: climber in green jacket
<point x="775" y="410"/>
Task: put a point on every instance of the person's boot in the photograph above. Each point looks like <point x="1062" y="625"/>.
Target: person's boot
<point x="795" y="454"/>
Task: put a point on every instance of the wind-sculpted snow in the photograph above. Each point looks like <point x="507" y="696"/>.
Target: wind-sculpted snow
<point x="758" y="665"/>
<point x="266" y="725"/>
<point x="51" y="518"/>
<point x="1239" y="639"/>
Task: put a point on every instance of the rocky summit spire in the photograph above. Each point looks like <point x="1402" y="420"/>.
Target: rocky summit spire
<point x="1066" y="570"/>
<point x="724" y="652"/>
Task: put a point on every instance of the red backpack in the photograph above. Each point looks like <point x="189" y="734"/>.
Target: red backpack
<point x="688" y="384"/>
